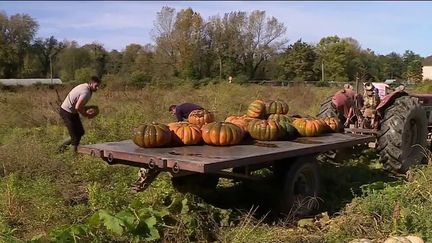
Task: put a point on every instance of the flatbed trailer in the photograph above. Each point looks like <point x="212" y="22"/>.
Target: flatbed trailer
<point x="204" y="164"/>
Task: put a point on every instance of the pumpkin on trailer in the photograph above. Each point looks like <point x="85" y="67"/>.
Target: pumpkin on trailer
<point x="290" y="132"/>
<point x="280" y="118"/>
<point x="241" y="121"/>
<point x="309" y="127"/>
<point x="152" y="135"/>
<point x="334" y="124"/>
<point x="184" y="133"/>
<point x="277" y="107"/>
<point x="222" y="133"/>
<point x="200" y="117"/>
<point x="256" y="109"/>
<point x="265" y="130"/>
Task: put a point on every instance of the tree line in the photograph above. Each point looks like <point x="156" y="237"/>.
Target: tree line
<point x="243" y="45"/>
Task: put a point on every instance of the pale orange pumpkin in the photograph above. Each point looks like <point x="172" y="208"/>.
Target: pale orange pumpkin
<point x="200" y="117"/>
<point x="241" y="121"/>
<point x="184" y="133"/>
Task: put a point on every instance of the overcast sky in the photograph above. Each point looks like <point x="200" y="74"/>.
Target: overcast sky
<point x="381" y="26"/>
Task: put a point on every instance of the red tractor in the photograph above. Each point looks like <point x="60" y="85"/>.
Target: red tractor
<point x="400" y="123"/>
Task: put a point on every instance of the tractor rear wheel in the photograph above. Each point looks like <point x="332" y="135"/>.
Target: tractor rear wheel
<point x="328" y="109"/>
<point x="402" y="139"/>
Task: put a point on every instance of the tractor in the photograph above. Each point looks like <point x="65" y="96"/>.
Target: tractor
<point x="401" y="123"/>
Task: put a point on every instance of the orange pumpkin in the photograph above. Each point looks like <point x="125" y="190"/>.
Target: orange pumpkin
<point x="153" y="135"/>
<point x="222" y="133"/>
<point x="241" y="121"/>
<point x="184" y="133"/>
<point x="277" y="107"/>
<point x="309" y="127"/>
<point x="256" y="109"/>
<point x="200" y="117"/>
<point x="334" y="124"/>
<point x="266" y="130"/>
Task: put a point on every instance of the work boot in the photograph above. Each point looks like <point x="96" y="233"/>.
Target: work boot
<point x="64" y="145"/>
<point x="75" y="149"/>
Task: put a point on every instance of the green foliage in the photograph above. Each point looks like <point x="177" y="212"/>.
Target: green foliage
<point x="83" y="75"/>
<point x="298" y="61"/>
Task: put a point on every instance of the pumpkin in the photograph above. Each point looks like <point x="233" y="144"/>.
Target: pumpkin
<point x="91" y="111"/>
<point x="277" y="107"/>
<point x="256" y="109"/>
<point x="200" y="117"/>
<point x="153" y="135"/>
<point x="265" y="130"/>
<point x="222" y="133"/>
<point x="401" y="239"/>
<point x="290" y="132"/>
<point x="184" y="133"/>
<point x="309" y="127"/>
<point x="333" y="123"/>
<point x="241" y="121"/>
<point x="280" y="117"/>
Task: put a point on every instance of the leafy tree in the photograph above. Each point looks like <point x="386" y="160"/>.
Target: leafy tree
<point x="72" y="58"/>
<point x="412" y="67"/>
<point x="17" y="33"/>
<point x="113" y="62"/>
<point x="298" y="61"/>
<point x="338" y="58"/>
<point x="98" y="56"/>
<point x="46" y="51"/>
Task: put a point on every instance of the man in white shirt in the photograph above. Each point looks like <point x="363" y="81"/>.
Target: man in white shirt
<point x="72" y="107"/>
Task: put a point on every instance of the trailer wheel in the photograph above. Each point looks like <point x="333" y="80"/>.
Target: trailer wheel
<point x="191" y="183"/>
<point x="403" y="135"/>
<point x="301" y="188"/>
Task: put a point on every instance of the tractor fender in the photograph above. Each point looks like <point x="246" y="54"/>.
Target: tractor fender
<point x="388" y="101"/>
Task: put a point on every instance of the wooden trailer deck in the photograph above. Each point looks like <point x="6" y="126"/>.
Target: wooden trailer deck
<point x="207" y="159"/>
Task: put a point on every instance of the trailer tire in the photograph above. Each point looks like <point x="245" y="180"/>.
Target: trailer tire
<point x="192" y="183"/>
<point x="301" y="188"/>
<point x="402" y="138"/>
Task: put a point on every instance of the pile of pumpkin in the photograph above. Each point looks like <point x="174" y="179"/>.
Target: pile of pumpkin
<point x="266" y="121"/>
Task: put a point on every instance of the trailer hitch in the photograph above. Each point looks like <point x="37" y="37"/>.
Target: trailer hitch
<point x="146" y="177"/>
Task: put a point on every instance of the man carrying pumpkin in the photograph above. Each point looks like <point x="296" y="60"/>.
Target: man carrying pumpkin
<point x="73" y="106"/>
<point x="182" y="111"/>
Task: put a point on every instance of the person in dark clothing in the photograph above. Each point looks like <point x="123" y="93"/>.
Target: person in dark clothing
<point x="182" y="111"/>
<point x="72" y="107"/>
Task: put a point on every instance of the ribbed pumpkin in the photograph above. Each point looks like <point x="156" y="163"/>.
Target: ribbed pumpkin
<point x="290" y="132"/>
<point x="152" y="135"/>
<point x="200" y="117"/>
<point x="277" y="107"/>
<point x="256" y="109"/>
<point x="309" y="127"/>
<point x="222" y="133"/>
<point x="334" y="124"/>
<point x="241" y="121"/>
<point x="280" y="117"/>
<point x="184" y="133"/>
<point x="265" y="130"/>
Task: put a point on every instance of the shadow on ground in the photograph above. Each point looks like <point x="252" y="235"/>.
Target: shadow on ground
<point x="341" y="182"/>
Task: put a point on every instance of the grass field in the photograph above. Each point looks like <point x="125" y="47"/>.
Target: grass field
<point x="46" y="196"/>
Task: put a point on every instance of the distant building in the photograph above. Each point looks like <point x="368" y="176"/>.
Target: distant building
<point x="427" y="68"/>
<point x="30" y="81"/>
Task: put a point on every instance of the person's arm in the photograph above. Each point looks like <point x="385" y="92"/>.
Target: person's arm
<point x="80" y="106"/>
<point x="179" y="115"/>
